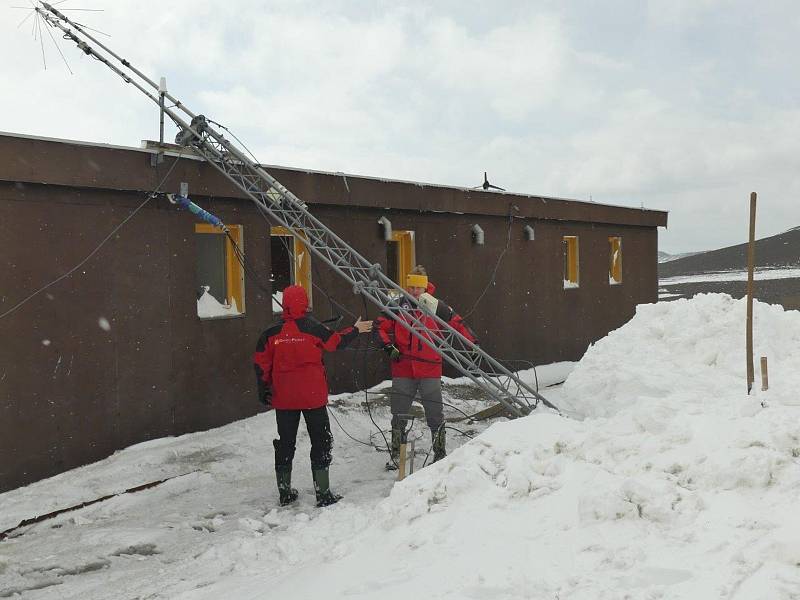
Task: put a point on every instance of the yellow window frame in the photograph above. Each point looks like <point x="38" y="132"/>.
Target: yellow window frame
<point x="571" y="261"/>
<point x="614" y="260"/>
<point x="302" y="259"/>
<point x="406" y="254"/>
<point x="234" y="274"/>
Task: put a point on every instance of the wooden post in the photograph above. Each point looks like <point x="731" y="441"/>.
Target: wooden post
<point x="764" y="376"/>
<point x="751" y="256"/>
<point x="401" y="466"/>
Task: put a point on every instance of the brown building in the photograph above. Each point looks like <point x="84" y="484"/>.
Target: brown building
<point x="115" y="353"/>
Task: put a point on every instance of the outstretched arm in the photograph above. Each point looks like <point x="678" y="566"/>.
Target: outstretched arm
<point x="332" y="340"/>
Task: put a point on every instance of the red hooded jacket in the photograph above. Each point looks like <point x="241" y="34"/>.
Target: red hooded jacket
<point x="417" y="360"/>
<point x="288" y="356"/>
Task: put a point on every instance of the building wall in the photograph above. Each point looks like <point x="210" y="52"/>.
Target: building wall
<point x="72" y="392"/>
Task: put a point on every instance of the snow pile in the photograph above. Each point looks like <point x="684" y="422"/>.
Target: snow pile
<point x="677" y="485"/>
<point x="209" y="307"/>
<point x="690" y="352"/>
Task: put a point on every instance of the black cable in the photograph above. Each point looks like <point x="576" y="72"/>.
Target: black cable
<point x="347" y="434"/>
<point x="465" y="434"/>
<point x="526" y="362"/>
<point x="248" y="271"/>
<point x="423" y="402"/>
<point x="218" y="124"/>
<point x="149" y="197"/>
<point x="496" y="266"/>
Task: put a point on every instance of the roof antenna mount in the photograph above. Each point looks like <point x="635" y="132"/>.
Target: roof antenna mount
<point x="486" y="186"/>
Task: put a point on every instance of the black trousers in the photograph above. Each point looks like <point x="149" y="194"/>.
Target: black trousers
<point x="319" y="429"/>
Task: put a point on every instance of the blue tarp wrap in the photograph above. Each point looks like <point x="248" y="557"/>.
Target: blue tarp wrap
<point x="184" y="202"/>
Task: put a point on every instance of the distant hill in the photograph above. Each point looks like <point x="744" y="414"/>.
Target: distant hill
<point x="782" y="250"/>
<point x="703" y="272"/>
<point x="666" y="257"/>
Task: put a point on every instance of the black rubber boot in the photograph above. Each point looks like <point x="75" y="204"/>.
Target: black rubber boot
<point x="322" y="485"/>
<point x="394" y="450"/>
<point x="439" y="443"/>
<point x="285" y="490"/>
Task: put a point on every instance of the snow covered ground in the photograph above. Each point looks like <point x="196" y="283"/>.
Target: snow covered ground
<point x="676" y="484"/>
<point x="758" y="275"/>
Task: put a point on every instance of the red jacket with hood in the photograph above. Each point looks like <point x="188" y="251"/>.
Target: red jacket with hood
<point x="288" y="356"/>
<point x="417" y="360"/>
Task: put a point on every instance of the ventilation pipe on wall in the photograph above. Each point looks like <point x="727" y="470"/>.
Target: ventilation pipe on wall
<point x="477" y="234"/>
<point x="529" y="233"/>
<point x="386" y="225"/>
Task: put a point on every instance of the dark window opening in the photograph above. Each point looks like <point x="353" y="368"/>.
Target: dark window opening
<point x="282" y="262"/>
<point x="211" y="269"/>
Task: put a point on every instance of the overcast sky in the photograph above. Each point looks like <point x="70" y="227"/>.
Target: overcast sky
<point x="680" y="105"/>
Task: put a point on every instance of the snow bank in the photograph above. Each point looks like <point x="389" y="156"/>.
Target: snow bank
<point x="691" y="351"/>
<point x="678" y="485"/>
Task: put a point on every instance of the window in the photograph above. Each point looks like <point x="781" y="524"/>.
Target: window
<point x="400" y="256"/>
<point x="614" y="260"/>
<point x="219" y="275"/>
<point x="290" y="264"/>
<point x="571" y="272"/>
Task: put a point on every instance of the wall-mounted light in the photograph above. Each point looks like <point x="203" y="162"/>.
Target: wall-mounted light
<point x="477" y="234"/>
<point x="529" y="233"/>
<point x="386" y="225"/>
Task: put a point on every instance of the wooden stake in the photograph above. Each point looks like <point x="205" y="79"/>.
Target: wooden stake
<point x="764" y="376"/>
<point x="751" y="256"/>
<point x="401" y="467"/>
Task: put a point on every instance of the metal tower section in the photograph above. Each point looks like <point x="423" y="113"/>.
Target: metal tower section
<point x="281" y="206"/>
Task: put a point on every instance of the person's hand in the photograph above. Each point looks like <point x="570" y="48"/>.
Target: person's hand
<point x="392" y="351"/>
<point x="363" y="326"/>
<point x="265" y="397"/>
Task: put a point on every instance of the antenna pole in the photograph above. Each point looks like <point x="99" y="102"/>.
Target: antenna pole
<point x="162" y="91"/>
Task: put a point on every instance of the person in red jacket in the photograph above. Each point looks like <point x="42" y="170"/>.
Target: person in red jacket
<point x="291" y="379"/>
<point x="417" y="368"/>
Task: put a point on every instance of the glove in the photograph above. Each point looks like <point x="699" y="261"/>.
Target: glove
<point x="265" y="395"/>
<point x="392" y="351"/>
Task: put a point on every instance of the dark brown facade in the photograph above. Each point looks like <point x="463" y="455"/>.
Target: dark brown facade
<point x="73" y="390"/>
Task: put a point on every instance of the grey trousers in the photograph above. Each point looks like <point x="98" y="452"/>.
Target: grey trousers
<point x="404" y="390"/>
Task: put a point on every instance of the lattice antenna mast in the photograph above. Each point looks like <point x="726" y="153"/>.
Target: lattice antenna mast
<point x="280" y="205"/>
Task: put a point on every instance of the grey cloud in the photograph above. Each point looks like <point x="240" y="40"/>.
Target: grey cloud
<point x="680" y="105"/>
